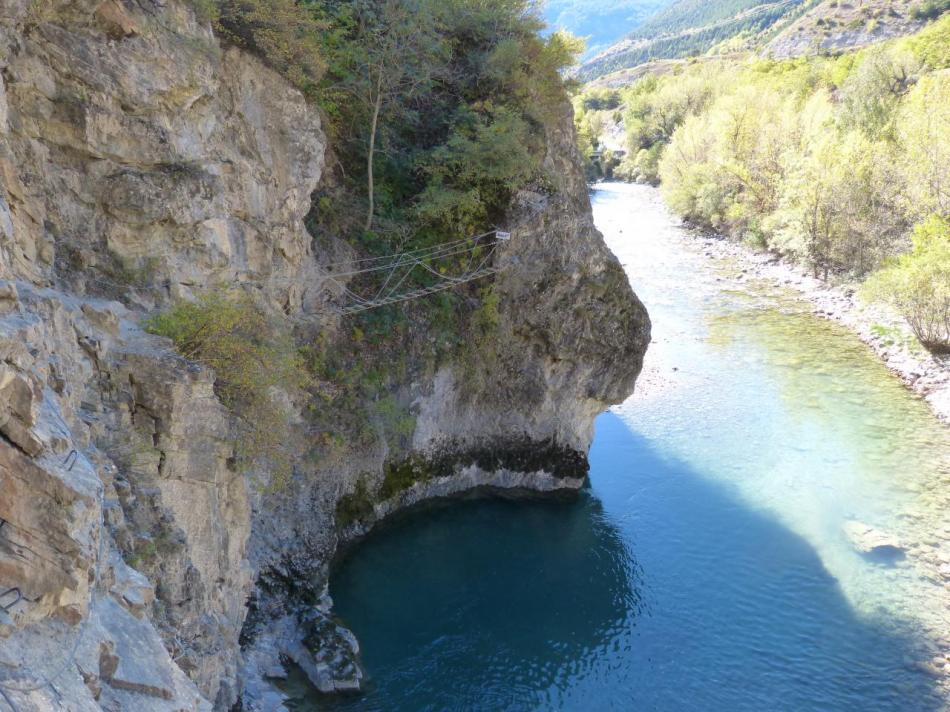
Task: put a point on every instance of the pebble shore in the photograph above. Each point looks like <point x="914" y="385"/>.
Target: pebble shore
<point x="878" y="326"/>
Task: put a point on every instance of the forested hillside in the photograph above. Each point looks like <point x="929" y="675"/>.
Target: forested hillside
<point x="842" y="163"/>
<point x="780" y="28"/>
<point x="690" y="28"/>
<point x="686" y="14"/>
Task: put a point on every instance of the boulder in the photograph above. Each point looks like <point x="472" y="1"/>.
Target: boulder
<point x="19" y="403"/>
<point x="868" y="540"/>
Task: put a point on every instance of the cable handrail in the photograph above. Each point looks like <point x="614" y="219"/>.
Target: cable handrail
<point x="410" y="252"/>
<point x="401" y="265"/>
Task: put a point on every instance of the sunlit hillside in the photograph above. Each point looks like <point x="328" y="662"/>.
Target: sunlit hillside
<point x="781" y="28"/>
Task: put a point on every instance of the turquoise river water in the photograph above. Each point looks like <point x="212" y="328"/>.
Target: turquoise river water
<point x="705" y="568"/>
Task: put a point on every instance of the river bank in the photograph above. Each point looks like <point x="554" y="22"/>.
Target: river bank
<point x="877" y="325"/>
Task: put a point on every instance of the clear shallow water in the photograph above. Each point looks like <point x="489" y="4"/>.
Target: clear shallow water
<point x="705" y="568"/>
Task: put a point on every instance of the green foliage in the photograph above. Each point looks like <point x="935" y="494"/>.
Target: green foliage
<point x="124" y="271"/>
<point x="486" y="319"/>
<point x="357" y="506"/>
<point x="206" y="10"/>
<point x="252" y="354"/>
<point x="829" y="160"/>
<point x="145" y="553"/>
<point x="395" y="421"/>
<point x="931" y="46"/>
<point x="929" y="9"/>
<point x="284" y="33"/>
<point x="438" y="107"/>
<point x="923" y="133"/>
<point x="600" y="99"/>
<point x="918" y="284"/>
<point x="400" y="476"/>
<point x="872" y="91"/>
<point x="489" y="154"/>
<point x="440" y="128"/>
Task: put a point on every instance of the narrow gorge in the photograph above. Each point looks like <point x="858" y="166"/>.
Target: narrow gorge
<point x="143" y="163"/>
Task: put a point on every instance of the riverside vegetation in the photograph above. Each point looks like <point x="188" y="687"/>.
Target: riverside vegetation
<point x="839" y="162"/>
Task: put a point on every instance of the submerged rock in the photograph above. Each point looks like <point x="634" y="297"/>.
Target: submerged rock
<point x="868" y="540"/>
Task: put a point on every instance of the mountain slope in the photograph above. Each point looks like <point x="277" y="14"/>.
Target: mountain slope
<point x="835" y="25"/>
<point x="689" y="28"/>
<point x="781" y="28"/>
<point x="686" y="14"/>
<point x="601" y="22"/>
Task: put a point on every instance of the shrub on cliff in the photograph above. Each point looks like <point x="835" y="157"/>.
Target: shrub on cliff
<point x="286" y="34"/>
<point x="918" y="284"/>
<point x="253" y="356"/>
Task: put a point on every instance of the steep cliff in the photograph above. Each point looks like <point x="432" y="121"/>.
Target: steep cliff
<point x="141" y="162"/>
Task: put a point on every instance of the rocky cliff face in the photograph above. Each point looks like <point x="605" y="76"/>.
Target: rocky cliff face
<point x="142" y="162"/>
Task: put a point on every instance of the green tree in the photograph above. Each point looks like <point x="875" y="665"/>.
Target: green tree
<point x="918" y="284"/>
<point x="871" y="93"/>
<point x="389" y="60"/>
<point x="490" y="153"/>
<point x="924" y="135"/>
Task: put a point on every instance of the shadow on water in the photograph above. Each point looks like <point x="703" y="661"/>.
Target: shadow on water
<point x="655" y="590"/>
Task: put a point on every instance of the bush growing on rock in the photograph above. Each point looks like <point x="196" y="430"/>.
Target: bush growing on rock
<point x="286" y="34"/>
<point x="253" y="356"/>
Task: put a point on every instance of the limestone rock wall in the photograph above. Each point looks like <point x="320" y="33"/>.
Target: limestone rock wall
<point x="142" y="160"/>
<point x="139" y="161"/>
<point x="571" y="336"/>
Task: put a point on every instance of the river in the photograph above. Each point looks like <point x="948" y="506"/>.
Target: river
<point x="706" y="567"/>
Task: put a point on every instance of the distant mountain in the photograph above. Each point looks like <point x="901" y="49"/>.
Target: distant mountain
<point x="688" y="14"/>
<point x="693" y="27"/>
<point x="602" y="22"/>
<point x="838" y="25"/>
<point x="778" y="28"/>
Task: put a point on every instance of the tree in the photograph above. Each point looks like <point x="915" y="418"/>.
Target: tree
<point x="871" y="92"/>
<point x="924" y="135"/>
<point x="389" y="58"/>
<point x="489" y="154"/>
<point x="918" y="284"/>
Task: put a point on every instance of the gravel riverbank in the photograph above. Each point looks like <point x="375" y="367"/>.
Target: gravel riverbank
<point x="883" y="330"/>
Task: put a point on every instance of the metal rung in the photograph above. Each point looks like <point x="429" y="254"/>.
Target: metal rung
<point x="16" y="592"/>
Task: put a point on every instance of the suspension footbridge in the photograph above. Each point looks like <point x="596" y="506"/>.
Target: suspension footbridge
<point x="373" y="282"/>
